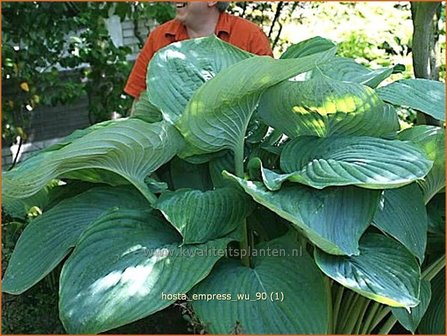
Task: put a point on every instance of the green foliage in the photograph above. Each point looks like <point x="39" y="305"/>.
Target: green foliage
<point x="309" y="205"/>
<point x="60" y="52"/>
<point x="374" y="34"/>
<point x="219" y="210"/>
<point x="67" y="219"/>
<point x="305" y="309"/>
<point x="316" y="212"/>
<point x="23" y="314"/>
<point x="154" y="144"/>
<point x="432" y="141"/>
<point x="433" y="321"/>
<point x="104" y="288"/>
<point x="410" y="320"/>
<point x="394" y="281"/>
<point x="402" y="215"/>
<point x="339" y="161"/>
<point x="172" y="101"/>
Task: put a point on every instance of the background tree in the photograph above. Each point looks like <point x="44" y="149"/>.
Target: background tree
<point x="425" y="56"/>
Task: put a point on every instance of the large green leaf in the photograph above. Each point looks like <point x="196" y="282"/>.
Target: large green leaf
<point x="202" y="216"/>
<point x="179" y="69"/>
<point x="433" y="321"/>
<point x="276" y="296"/>
<point x="308" y="47"/>
<point x="340" y="68"/>
<point x="366" y="162"/>
<point x="333" y="218"/>
<point x="410" y="320"/>
<point x="47" y="239"/>
<point x="385" y="271"/>
<point x="218" y="114"/>
<point x="92" y="175"/>
<point x="95" y="175"/>
<point x="323" y="107"/>
<point x="424" y="95"/>
<point x="77" y="134"/>
<point x="145" y="110"/>
<point x="121" y="268"/>
<point x="431" y="140"/>
<point x="19" y="208"/>
<point x="436" y="214"/>
<point x="272" y="180"/>
<point x="130" y="148"/>
<point x="402" y="214"/>
<point x="347" y="70"/>
<point x="217" y="166"/>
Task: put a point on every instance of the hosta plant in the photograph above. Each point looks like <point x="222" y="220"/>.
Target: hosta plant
<point x="272" y="195"/>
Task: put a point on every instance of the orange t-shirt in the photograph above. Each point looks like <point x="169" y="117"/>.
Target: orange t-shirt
<point x="232" y="29"/>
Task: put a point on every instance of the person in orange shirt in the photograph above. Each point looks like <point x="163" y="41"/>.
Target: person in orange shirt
<point x="197" y="19"/>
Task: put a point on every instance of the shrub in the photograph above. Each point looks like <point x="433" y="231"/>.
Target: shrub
<point x="280" y="196"/>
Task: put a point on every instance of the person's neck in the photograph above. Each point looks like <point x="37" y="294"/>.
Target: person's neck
<point x="205" y="26"/>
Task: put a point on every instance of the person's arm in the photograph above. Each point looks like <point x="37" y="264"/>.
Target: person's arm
<point x="136" y="82"/>
<point x="260" y="44"/>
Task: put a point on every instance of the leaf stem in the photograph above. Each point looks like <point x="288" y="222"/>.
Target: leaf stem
<point x="331" y="325"/>
<point x="381" y="314"/>
<point x="239" y="160"/>
<point x="370" y="316"/>
<point x="239" y="169"/>
<point x="359" y="322"/>
<point x="388" y="325"/>
<point x="245" y="258"/>
<point x="152" y="199"/>
<point x="337" y="302"/>
<point x="343" y="310"/>
<point x="350" y="307"/>
<point x="355" y="311"/>
<point x="431" y="271"/>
